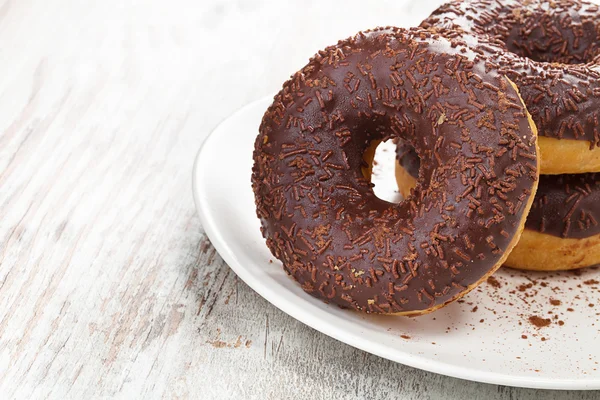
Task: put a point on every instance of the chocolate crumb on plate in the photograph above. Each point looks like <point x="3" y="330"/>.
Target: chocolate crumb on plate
<point x="539" y="322"/>
<point x="494" y="282"/>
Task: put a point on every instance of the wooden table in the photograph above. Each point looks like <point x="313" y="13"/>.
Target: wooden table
<point x="108" y="285"/>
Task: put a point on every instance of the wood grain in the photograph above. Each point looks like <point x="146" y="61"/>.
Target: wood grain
<point x="108" y="285"/>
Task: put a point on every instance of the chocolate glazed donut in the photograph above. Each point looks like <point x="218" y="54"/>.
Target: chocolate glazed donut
<point x="562" y="230"/>
<point x="550" y="50"/>
<point x="317" y="208"/>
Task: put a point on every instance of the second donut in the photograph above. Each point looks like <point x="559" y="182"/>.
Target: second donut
<point x="550" y="49"/>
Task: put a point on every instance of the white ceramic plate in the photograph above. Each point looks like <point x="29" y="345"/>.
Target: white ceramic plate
<point x="486" y="337"/>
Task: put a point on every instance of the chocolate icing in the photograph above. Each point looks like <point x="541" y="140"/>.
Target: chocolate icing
<point x="566" y="206"/>
<point x="548" y="48"/>
<point x="407" y="158"/>
<point x="318" y="212"/>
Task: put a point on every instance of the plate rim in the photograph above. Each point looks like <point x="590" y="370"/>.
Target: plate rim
<point x="213" y="233"/>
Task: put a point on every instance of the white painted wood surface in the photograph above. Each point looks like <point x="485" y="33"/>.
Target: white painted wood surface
<point x="108" y="285"/>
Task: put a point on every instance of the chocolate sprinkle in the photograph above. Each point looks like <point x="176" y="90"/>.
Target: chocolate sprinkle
<point x="318" y="211"/>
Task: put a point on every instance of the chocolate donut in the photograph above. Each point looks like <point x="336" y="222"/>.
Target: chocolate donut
<point x="550" y="49"/>
<point x="562" y="230"/>
<point x="316" y="204"/>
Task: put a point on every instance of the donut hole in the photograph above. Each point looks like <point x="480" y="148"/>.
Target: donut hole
<point x="383" y="176"/>
<point x="549" y="36"/>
